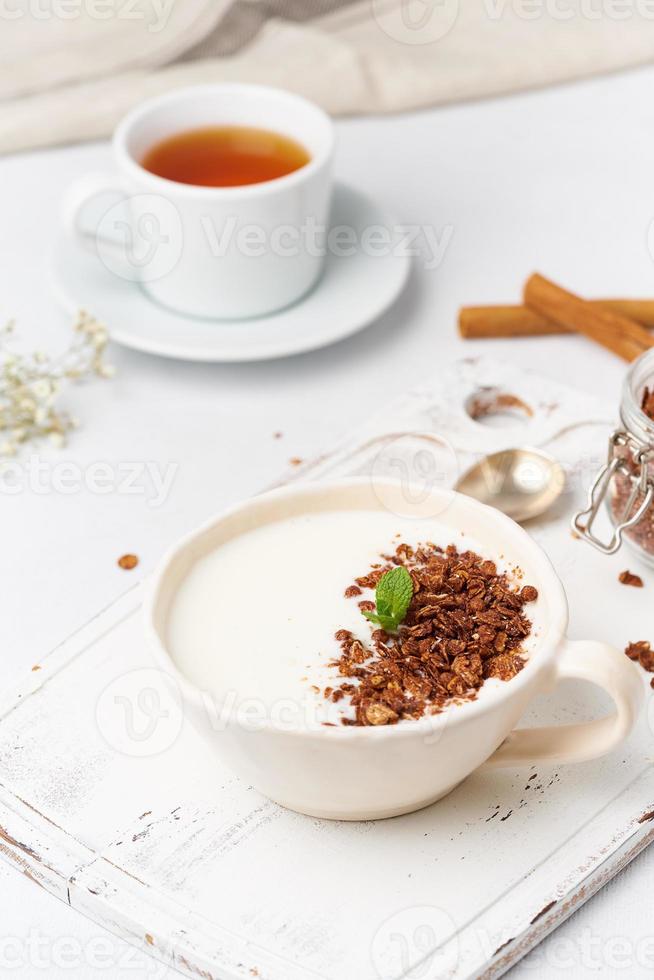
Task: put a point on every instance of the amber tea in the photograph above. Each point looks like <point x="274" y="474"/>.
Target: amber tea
<point x="225" y="156"/>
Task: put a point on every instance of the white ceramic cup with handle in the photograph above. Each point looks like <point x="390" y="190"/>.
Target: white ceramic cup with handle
<point x="352" y="773"/>
<point x="213" y="252"/>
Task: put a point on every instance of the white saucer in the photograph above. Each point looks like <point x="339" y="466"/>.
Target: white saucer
<point x="352" y="292"/>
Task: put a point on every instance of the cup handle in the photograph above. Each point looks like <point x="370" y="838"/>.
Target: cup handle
<point x="76" y="200"/>
<point x="600" y="664"/>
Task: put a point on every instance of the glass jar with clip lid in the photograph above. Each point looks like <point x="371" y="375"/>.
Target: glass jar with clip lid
<point x="626" y="481"/>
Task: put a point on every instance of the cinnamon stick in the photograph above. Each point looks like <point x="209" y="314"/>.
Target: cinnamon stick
<point x="482" y="322"/>
<point x="613" y="330"/>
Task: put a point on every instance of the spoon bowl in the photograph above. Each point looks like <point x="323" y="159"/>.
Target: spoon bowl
<point x="522" y="483"/>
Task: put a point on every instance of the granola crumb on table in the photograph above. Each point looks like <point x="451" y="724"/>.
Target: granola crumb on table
<point x="643" y="653"/>
<point x="128" y="562"/>
<point x="465" y="624"/>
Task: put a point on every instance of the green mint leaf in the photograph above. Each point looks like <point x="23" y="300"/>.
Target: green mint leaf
<point x="387" y="623"/>
<point x="393" y="597"/>
<point x="394" y="593"/>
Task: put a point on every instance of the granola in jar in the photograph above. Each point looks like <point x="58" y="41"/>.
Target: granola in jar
<point x="626" y="481"/>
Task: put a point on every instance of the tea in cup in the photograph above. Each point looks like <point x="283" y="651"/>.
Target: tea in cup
<point x="223" y="195"/>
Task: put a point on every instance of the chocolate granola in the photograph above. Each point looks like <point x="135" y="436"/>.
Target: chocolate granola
<point x="465" y="624"/>
<point x="647" y="403"/>
<point x="642" y="534"/>
<point x="642" y="652"/>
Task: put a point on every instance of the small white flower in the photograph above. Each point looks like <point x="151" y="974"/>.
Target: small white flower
<point x="30" y="383"/>
<point x="42" y="388"/>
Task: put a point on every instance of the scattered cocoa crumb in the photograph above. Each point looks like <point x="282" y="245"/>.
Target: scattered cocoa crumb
<point x="36" y="667"/>
<point x="128" y="562"/>
<point x="647" y="403"/>
<point x="277" y="435"/>
<point x="465" y="624"/>
<point x="651" y="683"/>
<point x="351" y="591"/>
<point x="628" y="578"/>
<point x="295" y="461"/>
<point x="643" y="653"/>
<point x="149" y="940"/>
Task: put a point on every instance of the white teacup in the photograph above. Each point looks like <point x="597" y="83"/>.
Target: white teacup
<point x="216" y="252"/>
<point x="356" y="773"/>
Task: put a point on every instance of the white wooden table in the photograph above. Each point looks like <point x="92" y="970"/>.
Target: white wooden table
<point x="559" y="180"/>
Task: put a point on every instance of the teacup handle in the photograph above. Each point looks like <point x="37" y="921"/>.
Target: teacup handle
<point x="76" y="200"/>
<point x="600" y="664"/>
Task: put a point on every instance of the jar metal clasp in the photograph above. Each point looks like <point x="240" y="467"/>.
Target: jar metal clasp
<point x="633" y="465"/>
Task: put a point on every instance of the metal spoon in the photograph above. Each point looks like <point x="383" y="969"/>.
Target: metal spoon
<point x="523" y="483"/>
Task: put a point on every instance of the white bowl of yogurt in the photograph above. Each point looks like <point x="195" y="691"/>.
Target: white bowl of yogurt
<point x="242" y="615"/>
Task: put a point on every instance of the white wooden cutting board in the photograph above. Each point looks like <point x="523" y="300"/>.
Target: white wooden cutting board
<point x="112" y="802"/>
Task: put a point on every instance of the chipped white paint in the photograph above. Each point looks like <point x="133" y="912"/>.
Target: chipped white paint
<point x="175" y="854"/>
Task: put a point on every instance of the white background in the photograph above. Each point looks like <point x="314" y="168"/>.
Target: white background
<point x="560" y="180"/>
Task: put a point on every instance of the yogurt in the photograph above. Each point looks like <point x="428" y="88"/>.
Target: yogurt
<point x="255" y="619"/>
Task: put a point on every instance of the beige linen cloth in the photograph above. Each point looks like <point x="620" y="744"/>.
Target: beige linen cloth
<point x="69" y="69"/>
